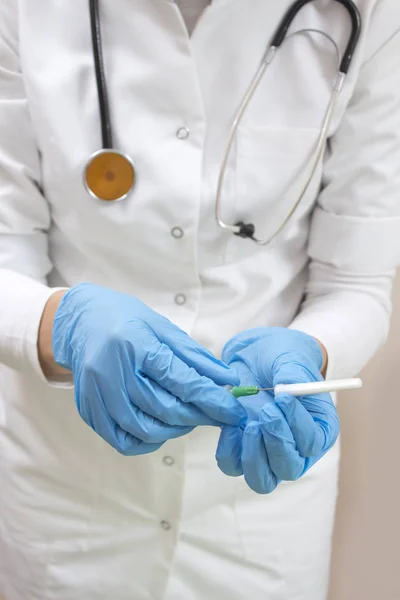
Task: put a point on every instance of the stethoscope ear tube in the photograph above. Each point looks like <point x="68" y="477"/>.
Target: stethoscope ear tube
<point x="355" y="17"/>
<point x="354" y="36"/>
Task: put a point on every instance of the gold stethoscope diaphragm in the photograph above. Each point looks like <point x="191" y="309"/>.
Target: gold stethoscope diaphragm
<point x="109" y="175"/>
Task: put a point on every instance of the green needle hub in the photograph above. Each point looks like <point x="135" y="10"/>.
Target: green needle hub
<point x="249" y="390"/>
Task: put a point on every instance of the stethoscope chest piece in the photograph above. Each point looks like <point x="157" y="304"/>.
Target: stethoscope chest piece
<point x="109" y="175"/>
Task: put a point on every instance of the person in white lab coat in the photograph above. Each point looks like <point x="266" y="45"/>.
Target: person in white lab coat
<point x="95" y="296"/>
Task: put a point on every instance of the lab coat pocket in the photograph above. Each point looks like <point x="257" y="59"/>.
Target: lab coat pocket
<point x="272" y="165"/>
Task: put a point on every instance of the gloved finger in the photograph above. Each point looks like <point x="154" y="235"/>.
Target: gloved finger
<point x="256" y="468"/>
<point x="252" y="404"/>
<point x="157" y="402"/>
<point x="324" y="413"/>
<point x="309" y="436"/>
<point x="116" y="437"/>
<point x="144" y="393"/>
<point x="289" y="370"/>
<point x="197" y="356"/>
<point x="244" y="371"/>
<point x="243" y="340"/>
<point x="146" y="428"/>
<point x="229" y="451"/>
<point x="128" y="445"/>
<point x="105" y="396"/>
<point x="283" y="456"/>
<point x="320" y="407"/>
<point x="185" y="383"/>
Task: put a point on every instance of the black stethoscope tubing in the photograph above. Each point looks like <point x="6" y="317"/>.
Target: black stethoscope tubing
<point x="355" y="17"/>
<point x="105" y="120"/>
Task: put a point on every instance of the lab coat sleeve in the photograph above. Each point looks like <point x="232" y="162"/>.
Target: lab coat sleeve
<point x="24" y="213"/>
<point x="354" y="243"/>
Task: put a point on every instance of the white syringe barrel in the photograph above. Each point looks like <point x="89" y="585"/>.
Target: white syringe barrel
<point x="317" y="387"/>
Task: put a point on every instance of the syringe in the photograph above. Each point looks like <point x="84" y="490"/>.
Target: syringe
<point x="300" y="389"/>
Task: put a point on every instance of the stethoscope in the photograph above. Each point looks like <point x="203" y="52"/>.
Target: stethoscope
<point x="110" y="174"/>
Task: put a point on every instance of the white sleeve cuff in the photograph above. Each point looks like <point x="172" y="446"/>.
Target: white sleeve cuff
<point x="357" y="244"/>
<point x="349" y="326"/>
<point x="22" y="302"/>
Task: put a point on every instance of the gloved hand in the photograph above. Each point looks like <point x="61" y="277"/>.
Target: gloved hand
<point x="284" y="436"/>
<point x="139" y="379"/>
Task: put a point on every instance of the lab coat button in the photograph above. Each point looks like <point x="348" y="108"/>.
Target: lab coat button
<point x="182" y="133"/>
<point x="180" y="299"/>
<point x="177" y="233"/>
<point x="165" y="525"/>
<point x="168" y="460"/>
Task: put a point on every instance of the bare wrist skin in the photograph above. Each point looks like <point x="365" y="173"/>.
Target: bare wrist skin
<point x="50" y="368"/>
<point x="325" y="358"/>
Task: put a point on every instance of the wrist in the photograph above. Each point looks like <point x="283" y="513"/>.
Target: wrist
<point x="50" y="368"/>
<point x="324" y="352"/>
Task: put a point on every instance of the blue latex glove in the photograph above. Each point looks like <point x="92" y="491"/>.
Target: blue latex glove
<point x="284" y="436"/>
<point x="139" y="379"/>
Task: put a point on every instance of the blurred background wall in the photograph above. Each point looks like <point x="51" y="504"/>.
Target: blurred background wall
<point x="366" y="556"/>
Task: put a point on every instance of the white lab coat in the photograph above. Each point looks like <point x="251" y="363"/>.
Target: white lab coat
<point x="77" y="520"/>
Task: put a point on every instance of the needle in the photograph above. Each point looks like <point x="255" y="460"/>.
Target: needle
<point x="300" y="389"/>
